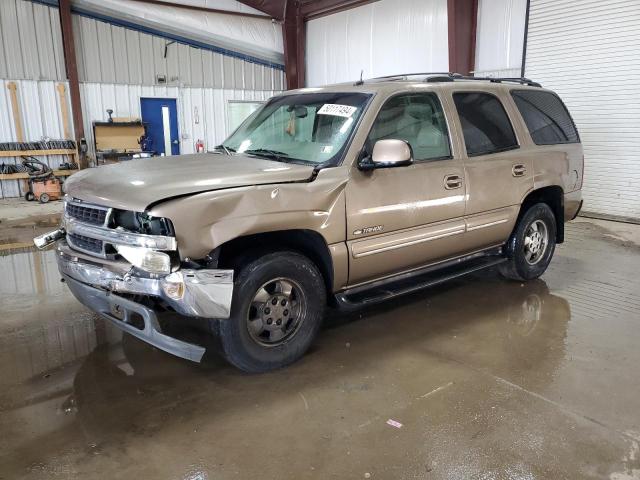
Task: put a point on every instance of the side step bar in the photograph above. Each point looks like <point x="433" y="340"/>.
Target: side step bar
<point x="413" y="281"/>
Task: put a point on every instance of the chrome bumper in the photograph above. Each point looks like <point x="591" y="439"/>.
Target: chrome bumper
<point x="122" y="313"/>
<point x="202" y="293"/>
<point x="198" y="293"/>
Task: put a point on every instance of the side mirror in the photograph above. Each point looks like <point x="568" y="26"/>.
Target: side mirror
<point x="388" y="153"/>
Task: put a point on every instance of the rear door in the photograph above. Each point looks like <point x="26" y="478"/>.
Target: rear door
<point x="498" y="172"/>
<point x="405" y="217"/>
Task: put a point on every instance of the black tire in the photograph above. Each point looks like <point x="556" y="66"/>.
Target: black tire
<point x="29" y="197"/>
<point x="522" y="264"/>
<point x="43" y="198"/>
<point x="253" y="352"/>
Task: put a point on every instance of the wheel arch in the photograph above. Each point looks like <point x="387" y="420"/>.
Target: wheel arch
<point x="552" y="195"/>
<point x="306" y="242"/>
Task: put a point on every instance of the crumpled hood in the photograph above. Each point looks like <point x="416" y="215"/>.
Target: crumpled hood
<point x="136" y="184"/>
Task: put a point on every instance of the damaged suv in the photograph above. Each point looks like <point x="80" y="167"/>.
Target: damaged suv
<point x="344" y="195"/>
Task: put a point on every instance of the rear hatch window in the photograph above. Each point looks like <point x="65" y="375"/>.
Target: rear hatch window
<point x="547" y="118"/>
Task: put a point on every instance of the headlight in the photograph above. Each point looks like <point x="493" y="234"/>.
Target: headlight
<point x="146" y="259"/>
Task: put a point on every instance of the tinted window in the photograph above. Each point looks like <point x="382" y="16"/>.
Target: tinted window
<point x="417" y="119"/>
<point x="485" y="125"/>
<point x="546" y="117"/>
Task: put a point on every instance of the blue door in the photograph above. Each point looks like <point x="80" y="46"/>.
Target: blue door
<point x="161" y="118"/>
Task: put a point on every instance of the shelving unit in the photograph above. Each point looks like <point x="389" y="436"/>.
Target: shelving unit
<point x="73" y="154"/>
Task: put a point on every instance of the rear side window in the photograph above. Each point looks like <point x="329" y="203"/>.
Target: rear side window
<point x="485" y="124"/>
<point x="547" y="118"/>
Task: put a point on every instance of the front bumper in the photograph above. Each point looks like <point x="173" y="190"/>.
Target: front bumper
<point x="133" y="318"/>
<point x="204" y="293"/>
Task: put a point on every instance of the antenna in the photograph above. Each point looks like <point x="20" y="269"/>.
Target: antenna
<point x="361" y="81"/>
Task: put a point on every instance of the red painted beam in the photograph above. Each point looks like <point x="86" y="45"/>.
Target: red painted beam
<point x="166" y="3"/>
<point x="273" y="8"/>
<point x="294" y="32"/>
<point x="71" y="65"/>
<point x="319" y="8"/>
<point x="462" y="19"/>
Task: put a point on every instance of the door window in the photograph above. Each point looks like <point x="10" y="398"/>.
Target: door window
<point x="546" y="117"/>
<point x="417" y="119"/>
<point x="485" y="124"/>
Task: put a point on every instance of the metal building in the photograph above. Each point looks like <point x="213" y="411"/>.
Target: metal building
<point x="119" y="62"/>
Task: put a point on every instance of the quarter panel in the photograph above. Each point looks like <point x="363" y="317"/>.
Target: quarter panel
<point x="560" y="165"/>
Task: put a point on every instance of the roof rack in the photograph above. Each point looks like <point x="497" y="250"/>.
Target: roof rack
<point x="451" y="77"/>
<point x="520" y="80"/>
<point x="400" y="77"/>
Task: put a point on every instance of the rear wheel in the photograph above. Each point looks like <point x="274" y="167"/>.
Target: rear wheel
<point x="531" y="245"/>
<point x="44" y="198"/>
<point x="277" y="308"/>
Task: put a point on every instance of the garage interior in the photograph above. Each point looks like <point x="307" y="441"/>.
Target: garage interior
<point x="479" y="378"/>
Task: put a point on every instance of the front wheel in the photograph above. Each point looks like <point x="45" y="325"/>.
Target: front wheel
<point x="277" y="308"/>
<point x="531" y="245"/>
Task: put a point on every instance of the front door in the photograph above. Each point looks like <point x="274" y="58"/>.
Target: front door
<point x="161" y="118"/>
<point x="499" y="173"/>
<point x="405" y="217"/>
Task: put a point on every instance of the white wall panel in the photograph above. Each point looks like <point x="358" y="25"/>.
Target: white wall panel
<point x="110" y="54"/>
<point x="257" y="37"/>
<point x="116" y="67"/>
<point x="31" y="46"/>
<point x="41" y="117"/>
<point x="201" y="111"/>
<point x="381" y="38"/>
<point x="587" y="51"/>
<point x="499" y="37"/>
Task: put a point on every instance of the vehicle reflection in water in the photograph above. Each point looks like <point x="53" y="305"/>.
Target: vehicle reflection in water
<point x="64" y="370"/>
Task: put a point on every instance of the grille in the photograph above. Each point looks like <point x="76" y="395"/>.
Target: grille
<point x="94" y="216"/>
<point x="85" y="243"/>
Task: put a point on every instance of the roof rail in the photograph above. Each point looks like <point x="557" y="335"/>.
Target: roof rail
<point x="450" y="77"/>
<point x="405" y="76"/>
<point x="456" y="76"/>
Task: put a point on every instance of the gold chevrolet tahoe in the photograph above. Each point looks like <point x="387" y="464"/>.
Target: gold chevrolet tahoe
<point x="344" y="195"/>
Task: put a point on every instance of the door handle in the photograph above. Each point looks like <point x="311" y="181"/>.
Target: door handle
<point x="452" y="181"/>
<point x="518" y="170"/>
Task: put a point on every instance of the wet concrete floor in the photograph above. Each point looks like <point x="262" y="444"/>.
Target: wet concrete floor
<point x="489" y="379"/>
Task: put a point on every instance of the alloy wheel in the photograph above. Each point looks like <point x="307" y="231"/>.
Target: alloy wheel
<point x="276" y="312"/>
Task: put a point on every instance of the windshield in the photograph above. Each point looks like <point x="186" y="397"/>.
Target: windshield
<point x="308" y="128"/>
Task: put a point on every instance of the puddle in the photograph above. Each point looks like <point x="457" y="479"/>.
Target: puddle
<point x="535" y="380"/>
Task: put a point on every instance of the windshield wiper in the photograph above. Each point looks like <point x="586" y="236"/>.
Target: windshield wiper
<point x="273" y="154"/>
<point x="227" y="150"/>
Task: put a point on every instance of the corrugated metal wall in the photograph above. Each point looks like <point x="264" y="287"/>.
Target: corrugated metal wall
<point x="202" y="112"/>
<point x="116" y="66"/>
<point x="587" y="51"/>
<point x="30" y="42"/>
<point x="39" y="104"/>
<point x="381" y="38"/>
<point x="111" y="54"/>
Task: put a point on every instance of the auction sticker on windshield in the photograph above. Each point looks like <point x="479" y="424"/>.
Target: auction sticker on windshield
<point x="337" y="110"/>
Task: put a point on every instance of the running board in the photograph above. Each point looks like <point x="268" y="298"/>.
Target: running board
<point x="414" y="281"/>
